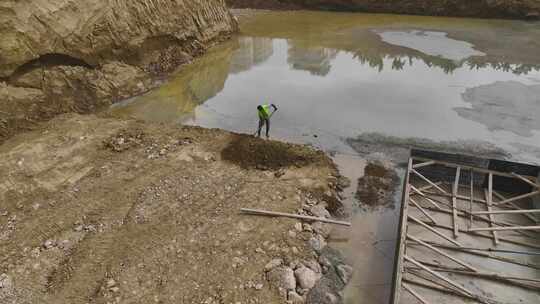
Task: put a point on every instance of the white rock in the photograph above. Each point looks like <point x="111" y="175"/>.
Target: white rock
<point x="282" y="277"/>
<point x="306" y="277"/>
<point x="48" y="244"/>
<point x="111" y="283"/>
<point x="273" y="264"/>
<point x="258" y="286"/>
<point x="298" y="227"/>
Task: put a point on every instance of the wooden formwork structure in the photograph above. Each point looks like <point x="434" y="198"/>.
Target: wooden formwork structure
<point x="469" y="231"/>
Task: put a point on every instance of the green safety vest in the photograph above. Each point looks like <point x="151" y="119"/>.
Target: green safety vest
<point x="265" y="112"/>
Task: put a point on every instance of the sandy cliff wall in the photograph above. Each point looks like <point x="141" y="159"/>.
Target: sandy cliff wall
<point x="518" y="9"/>
<point x="76" y="55"/>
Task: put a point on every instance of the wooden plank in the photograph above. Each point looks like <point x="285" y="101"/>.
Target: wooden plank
<point x="427" y="187"/>
<point x="502" y="198"/>
<point x="458" y="261"/>
<point x="489" y="197"/>
<point x="508" y="211"/>
<point x="451" y="165"/>
<point x="515" y="198"/>
<point x="424" y="164"/>
<point x="438" y="275"/>
<point x="503" y="239"/>
<point x="428" y="181"/>
<point x="398" y="268"/>
<point x="471" y="199"/>
<point x="521" y="177"/>
<point x="505" y="228"/>
<point x="296" y="216"/>
<point x="414" y="293"/>
<point x="425" y="196"/>
<point x="454" y="202"/>
<point x="434" y="230"/>
<point x="421" y="209"/>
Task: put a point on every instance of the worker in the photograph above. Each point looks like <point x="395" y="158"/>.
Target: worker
<point x="264" y="117"/>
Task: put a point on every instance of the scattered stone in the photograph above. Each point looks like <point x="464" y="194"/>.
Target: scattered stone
<point x="345" y="272"/>
<point x="298" y="227"/>
<point x="273" y="264"/>
<point x="114" y="289"/>
<point x="307" y="227"/>
<point x="295" y="298"/>
<point x="258" y="286"/>
<point x="330" y="298"/>
<point x="306" y="277"/>
<point x="313" y="265"/>
<point x="259" y="250"/>
<point x="319" y="211"/>
<point x="5" y="282"/>
<point x="292" y="234"/>
<point x="48" y="244"/>
<point x="111" y="283"/>
<point x="322" y="229"/>
<point x="295" y="250"/>
<point x="317" y="242"/>
<point x="282" y="277"/>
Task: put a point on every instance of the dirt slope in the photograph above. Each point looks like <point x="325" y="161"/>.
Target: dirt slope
<point x="518" y="9"/>
<point x="107" y="211"/>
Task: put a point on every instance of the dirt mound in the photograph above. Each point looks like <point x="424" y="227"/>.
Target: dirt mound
<point x="377" y="186"/>
<point x="250" y="152"/>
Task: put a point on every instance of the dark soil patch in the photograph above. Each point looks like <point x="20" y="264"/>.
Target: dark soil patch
<point x="250" y="152"/>
<point x="378" y="185"/>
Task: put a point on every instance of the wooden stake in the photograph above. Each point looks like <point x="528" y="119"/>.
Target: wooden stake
<point x="427" y="187"/>
<point x="460" y="262"/>
<point x="508" y="211"/>
<point x="471" y="200"/>
<point x="422" y="209"/>
<point x="505" y="228"/>
<point x="296" y="216"/>
<point x="515" y="198"/>
<point x="425" y="196"/>
<point x="414" y="293"/>
<point x="502" y="198"/>
<point x="420" y="165"/>
<point x="434" y="231"/>
<point x="428" y="181"/>
<point x="454" y="202"/>
<point x="521" y="177"/>
<point x="438" y="275"/>
<point x="489" y="197"/>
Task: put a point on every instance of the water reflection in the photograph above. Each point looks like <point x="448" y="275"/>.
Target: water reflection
<point x="316" y="60"/>
<point x="250" y="52"/>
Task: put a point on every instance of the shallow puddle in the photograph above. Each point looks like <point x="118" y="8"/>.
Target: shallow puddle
<point x="336" y="76"/>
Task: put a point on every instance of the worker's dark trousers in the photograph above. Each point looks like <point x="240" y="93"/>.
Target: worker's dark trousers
<point x="262" y="122"/>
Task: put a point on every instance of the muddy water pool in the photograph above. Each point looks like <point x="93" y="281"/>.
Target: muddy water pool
<point x="337" y="76"/>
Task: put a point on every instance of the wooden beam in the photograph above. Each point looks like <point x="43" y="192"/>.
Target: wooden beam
<point x="425" y="196"/>
<point x="515" y="198"/>
<point x="478" y="233"/>
<point x="471" y="199"/>
<point x="505" y="228"/>
<point x="420" y="165"/>
<point x="438" y="275"/>
<point x="489" y="196"/>
<point x="458" y="261"/>
<point x="502" y="198"/>
<point x="508" y="211"/>
<point x="296" y="216"/>
<point x="414" y="293"/>
<point x="479" y="252"/>
<point x="521" y="177"/>
<point x="454" y="202"/>
<point x="427" y="187"/>
<point x="434" y="230"/>
<point x="428" y="181"/>
<point x="396" y="286"/>
<point x="421" y="209"/>
<point x="451" y="165"/>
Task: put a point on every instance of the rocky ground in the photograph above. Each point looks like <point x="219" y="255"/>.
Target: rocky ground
<point x="103" y="210"/>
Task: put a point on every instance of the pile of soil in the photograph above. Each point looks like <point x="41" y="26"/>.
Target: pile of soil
<point x="378" y="185"/>
<point x="251" y="152"/>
